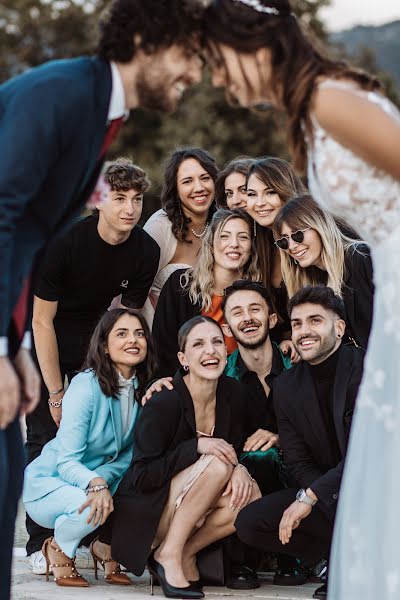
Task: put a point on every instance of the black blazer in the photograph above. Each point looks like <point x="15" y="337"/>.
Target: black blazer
<point x="174" y="308"/>
<point x="302" y="433"/>
<point x="165" y="443"/>
<point x="358" y="293"/>
<point x="53" y="122"/>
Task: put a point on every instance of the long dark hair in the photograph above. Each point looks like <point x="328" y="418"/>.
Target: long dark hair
<point x="170" y="200"/>
<point x="100" y="362"/>
<point x="237" y="165"/>
<point x="279" y="176"/>
<point x="297" y="60"/>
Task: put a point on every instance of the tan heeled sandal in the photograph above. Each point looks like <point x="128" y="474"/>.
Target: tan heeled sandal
<point x="115" y="577"/>
<point x="74" y="579"/>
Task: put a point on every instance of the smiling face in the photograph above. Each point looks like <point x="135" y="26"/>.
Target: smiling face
<point x="232" y="245"/>
<point x="306" y="253"/>
<point x="248" y="318"/>
<point x="316" y="332"/>
<point x="196" y="188"/>
<point x="245" y="76"/>
<point x="163" y="76"/>
<point x="204" y="352"/>
<point x="127" y="345"/>
<point x="235" y="191"/>
<point x="263" y="203"/>
<point x="120" y="211"/>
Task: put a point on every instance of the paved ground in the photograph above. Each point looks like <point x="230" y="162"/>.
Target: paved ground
<point x="27" y="586"/>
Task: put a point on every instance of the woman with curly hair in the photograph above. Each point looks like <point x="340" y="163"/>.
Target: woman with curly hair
<point x="179" y="227"/>
<point x="227" y="254"/>
<point x="230" y="186"/>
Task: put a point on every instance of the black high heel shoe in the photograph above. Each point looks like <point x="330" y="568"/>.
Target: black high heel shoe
<point x="170" y="591"/>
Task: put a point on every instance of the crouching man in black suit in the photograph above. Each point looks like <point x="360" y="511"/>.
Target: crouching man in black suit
<point x="314" y="403"/>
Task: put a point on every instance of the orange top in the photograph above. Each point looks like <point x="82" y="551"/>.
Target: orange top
<point x="216" y="313"/>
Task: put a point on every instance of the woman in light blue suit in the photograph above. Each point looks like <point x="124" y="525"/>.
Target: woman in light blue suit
<point x="69" y="487"/>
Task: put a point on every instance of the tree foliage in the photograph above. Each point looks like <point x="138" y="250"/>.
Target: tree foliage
<point x="34" y="31"/>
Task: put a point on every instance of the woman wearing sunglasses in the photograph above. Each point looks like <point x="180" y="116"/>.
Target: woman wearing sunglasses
<point x="314" y="251"/>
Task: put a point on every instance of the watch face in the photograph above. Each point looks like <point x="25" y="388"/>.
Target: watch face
<point x="300" y="495"/>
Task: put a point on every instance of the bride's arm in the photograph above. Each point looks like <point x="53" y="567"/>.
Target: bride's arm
<point x="361" y="125"/>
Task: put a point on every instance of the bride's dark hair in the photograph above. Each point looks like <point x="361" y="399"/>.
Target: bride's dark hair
<point x="297" y="59"/>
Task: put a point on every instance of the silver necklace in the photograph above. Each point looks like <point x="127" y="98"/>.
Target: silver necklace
<point x="199" y="235"/>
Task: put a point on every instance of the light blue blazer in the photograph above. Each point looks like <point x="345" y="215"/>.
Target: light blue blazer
<point x="88" y="444"/>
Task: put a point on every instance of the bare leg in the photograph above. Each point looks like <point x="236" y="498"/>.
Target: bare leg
<point x="218" y="525"/>
<point x="199" y="499"/>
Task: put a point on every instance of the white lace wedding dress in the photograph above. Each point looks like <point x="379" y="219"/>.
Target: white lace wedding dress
<point x="365" y="562"/>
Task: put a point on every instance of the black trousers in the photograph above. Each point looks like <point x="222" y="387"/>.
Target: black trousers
<point x="41" y="429"/>
<point x="11" y="476"/>
<point x="258" y="525"/>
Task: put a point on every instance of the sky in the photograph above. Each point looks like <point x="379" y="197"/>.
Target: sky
<point x="343" y="14"/>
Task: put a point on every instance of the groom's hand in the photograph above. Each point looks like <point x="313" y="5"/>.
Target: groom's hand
<point x="291" y="519"/>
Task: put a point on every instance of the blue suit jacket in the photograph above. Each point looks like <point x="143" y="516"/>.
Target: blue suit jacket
<point x="88" y="444"/>
<point x="52" y="126"/>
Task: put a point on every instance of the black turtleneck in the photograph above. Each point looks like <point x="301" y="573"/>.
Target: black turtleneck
<point x="323" y="376"/>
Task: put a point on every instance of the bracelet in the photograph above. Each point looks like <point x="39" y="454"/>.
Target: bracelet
<point x="56" y="391"/>
<point x="96" y="488"/>
<point x="240" y="466"/>
<point x="55" y="403"/>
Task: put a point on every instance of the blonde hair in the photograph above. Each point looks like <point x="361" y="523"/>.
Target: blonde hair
<point x="199" y="280"/>
<point x="302" y="212"/>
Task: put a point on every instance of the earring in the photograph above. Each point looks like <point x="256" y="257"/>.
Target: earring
<point x="254" y="228"/>
<point x="185" y="368"/>
<point x="339" y="335"/>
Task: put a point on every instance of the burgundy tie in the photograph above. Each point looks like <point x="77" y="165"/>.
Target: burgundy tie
<point x="20" y="311"/>
<point x="112" y="132"/>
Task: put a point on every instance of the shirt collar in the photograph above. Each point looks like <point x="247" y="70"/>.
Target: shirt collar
<point x="276" y="368"/>
<point x="117" y="107"/>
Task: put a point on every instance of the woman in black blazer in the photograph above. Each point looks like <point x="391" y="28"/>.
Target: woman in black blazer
<point x="185" y="486"/>
<point x="315" y="251"/>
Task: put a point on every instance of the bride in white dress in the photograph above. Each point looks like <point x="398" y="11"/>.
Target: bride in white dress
<point x="347" y="135"/>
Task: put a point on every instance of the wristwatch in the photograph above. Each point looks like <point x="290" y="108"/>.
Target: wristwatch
<point x="301" y="496"/>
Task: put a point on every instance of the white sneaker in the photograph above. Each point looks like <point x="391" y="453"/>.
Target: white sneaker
<point x="37" y="563"/>
<point x="83" y="560"/>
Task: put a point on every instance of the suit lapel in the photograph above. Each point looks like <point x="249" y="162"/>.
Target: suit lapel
<point x="115" y="410"/>
<point x="188" y="408"/>
<point x="307" y="401"/>
<point x="222" y="413"/>
<point x="343" y="371"/>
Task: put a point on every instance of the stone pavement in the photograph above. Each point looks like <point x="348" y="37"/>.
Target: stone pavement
<point x="27" y="586"/>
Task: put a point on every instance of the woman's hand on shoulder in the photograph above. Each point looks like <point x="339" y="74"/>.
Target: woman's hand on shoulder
<point x="240" y="486"/>
<point x="287" y="347"/>
<point x="100" y="503"/>
<point x="157" y="386"/>
<point x="218" y="447"/>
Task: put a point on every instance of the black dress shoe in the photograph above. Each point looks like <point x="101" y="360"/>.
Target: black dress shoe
<point x="322" y="592"/>
<point x="243" y="578"/>
<point x="170" y="591"/>
<point x="290" y="576"/>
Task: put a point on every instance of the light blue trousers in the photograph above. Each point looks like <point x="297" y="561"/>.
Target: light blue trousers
<point x="59" y="510"/>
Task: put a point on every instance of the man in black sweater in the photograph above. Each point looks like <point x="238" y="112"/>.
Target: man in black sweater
<point x="314" y="403"/>
<point x="100" y="257"/>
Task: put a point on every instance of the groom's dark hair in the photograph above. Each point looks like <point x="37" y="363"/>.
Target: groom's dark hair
<point x="321" y="295"/>
<point x="146" y="24"/>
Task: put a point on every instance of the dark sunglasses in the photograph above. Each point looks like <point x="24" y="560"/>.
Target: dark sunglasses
<point x="297" y="236"/>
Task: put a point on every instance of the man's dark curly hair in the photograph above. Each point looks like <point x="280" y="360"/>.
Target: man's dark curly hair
<point x="123" y="175"/>
<point x="170" y="200"/>
<point x="156" y="23"/>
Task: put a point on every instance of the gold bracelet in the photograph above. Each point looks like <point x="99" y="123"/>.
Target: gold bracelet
<point x="55" y="403"/>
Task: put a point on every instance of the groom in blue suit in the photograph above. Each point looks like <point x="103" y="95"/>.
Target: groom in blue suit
<point x="56" y="123"/>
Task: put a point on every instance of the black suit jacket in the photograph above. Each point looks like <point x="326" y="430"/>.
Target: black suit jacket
<point x="52" y="126"/>
<point x="165" y="443"/>
<point x="306" y="450"/>
<point x="174" y="308"/>
<point x="358" y="293"/>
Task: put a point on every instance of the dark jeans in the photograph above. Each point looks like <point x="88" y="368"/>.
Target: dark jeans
<point x="258" y="525"/>
<point x="11" y="476"/>
<point x="41" y="429"/>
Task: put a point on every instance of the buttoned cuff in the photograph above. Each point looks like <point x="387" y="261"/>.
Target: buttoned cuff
<point x="27" y="341"/>
<point x="3" y="346"/>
